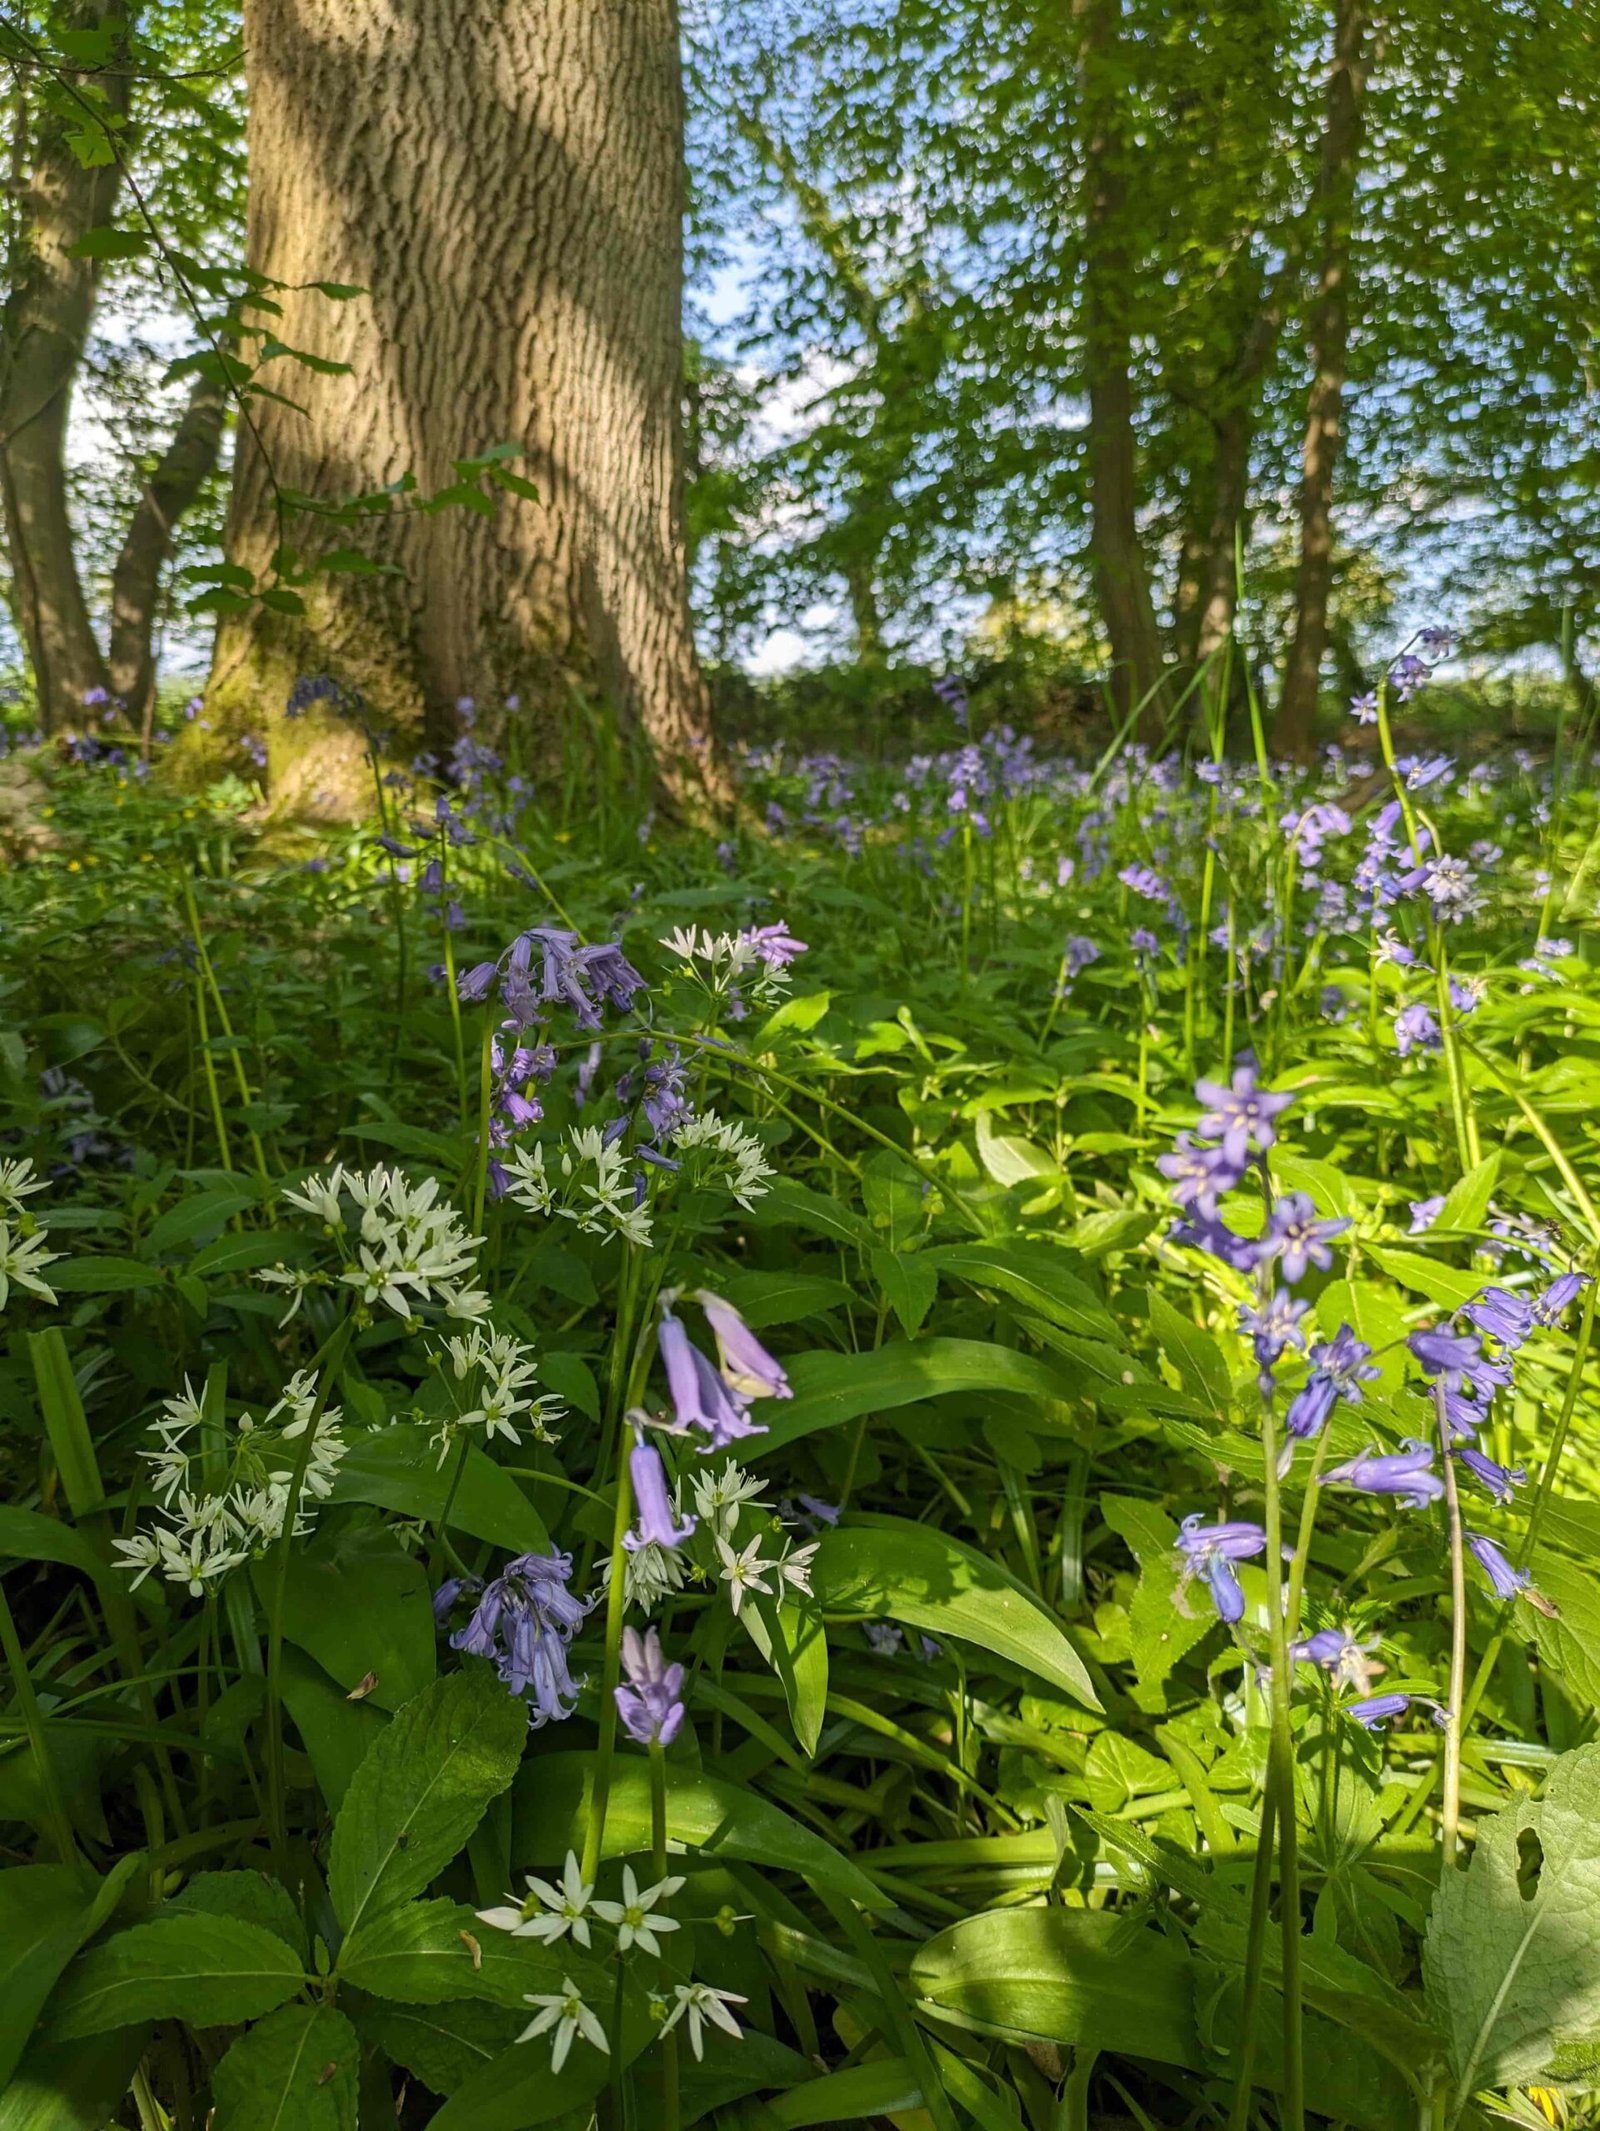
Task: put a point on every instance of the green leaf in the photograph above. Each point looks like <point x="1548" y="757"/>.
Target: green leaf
<point x="46" y="1913"/>
<point x="443" y="2045"/>
<point x="1195" y="1355"/>
<point x="792" y="1639"/>
<point x="830" y="1389"/>
<point x="909" y="1286"/>
<point x="1441" y="1284"/>
<point x="1467" y="1203"/>
<point x="297" y="2071"/>
<point x="421" y="1791"/>
<point x="335" y="1731"/>
<point x="431" y="1953"/>
<point x="71" y="2086"/>
<point x="398" y="1468"/>
<point x="877" y="1566"/>
<point x="205" y="1970"/>
<point x="93" y="1275"/>
<point x="109" y="244"/>
<point x="1161" y="1632"/>
<point x="26" y="1535"/>
<point x="1569" y="1639"/>
<point x="1065" y="1975"/>
<point x="359" y="1604"/>
<point x="1512" y="1958"/>
<point x="250" y="1896"/>
<point x="1035" y="1274"/>
<point x="203" y="1213"/>
<point x="718" y="1819"/>
<point x="764" y="1299"/>
<point x="853" y="2096"/>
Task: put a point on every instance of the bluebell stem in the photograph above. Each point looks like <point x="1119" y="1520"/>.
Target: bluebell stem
<point x="1210" y="1550"/>
<point x="1407" y="1473"/>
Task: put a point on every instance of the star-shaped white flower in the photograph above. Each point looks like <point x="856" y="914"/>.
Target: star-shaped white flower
<point x="699" y="2002"/>
<point x="565" y="1909"/>
<point x="636" y="1925"/>
<point x="565" y="2011"/>
<point x="742" y="1572"/>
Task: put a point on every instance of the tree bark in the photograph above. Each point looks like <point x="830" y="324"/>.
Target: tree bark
<point x="45" y="324"/>
<point x="136" y="577"/>
<point x="1122" y="583"/>
<point x="504" y="180"/>
<point x="1294" y="730"/>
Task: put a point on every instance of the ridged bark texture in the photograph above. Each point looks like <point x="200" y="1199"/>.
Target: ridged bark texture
<point x="504" y="180"/>
<point x="46" y="321"/>
<point x="1294" y="729"/>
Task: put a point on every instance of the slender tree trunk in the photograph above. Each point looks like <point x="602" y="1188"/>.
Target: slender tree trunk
<point x="136" y="578"/>
<point x="1122" y="584"/>
<point x="48" y="309"/>
<point x="1231" y="494"/>
<point x="1294" y="730"/>
<point x="1188" y="590"/>
<point x="504" y="180"/>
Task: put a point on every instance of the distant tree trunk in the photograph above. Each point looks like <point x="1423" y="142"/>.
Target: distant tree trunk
<point x="136" y="578"/>
<point x="1294" y="729"/>
<point x="1189" y="585"/>
<point x="1122" y="585"/>
<point x="506" y="184"/>
<point x="48" y="308"/>
<point x="1230" y="497"/>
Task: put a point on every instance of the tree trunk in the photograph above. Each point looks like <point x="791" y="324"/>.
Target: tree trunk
<point x="1122" y="585"/>
<point x="1294" y="730"/>
<point x="48" y="309"/>
<point x="136" y="578"/>
<point x="1231" y="495"/>
<point x="504" y="179"/>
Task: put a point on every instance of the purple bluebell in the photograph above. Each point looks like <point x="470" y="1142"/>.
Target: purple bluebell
<point x="1504" y="1580"/>
<point x="448" y="1592"/>
<point x="1339" y="1367"/>
<point x="1198" y="1175"/>
<point x="1407" y="1472"/>
<point x="1424" y="1212"/>
<point x="1274" y="1325"/>
<point x="1347" y="1662"/>
<point x="1450" y="1356"/>
<point x="1376" y="1710"/>
<point x="1364" y="708"/>
<point x="523" y="1624"/>
<point x="1415" y="1030"/>
<point x="1297" y="1238"/>
<point x="775" y="944"/>
<point x="1500" y="1480"/>
<point x="657" y="1525"/>
<point x="1080" y="953"/>
<point x="1145" y="881"/>
<point x="1210" y="1550"/>
<point x="1241" y="1115"/>
<point x="825" y="1512"/>
<point x="700" y="1398"/>
<point x="651" y="1704"/>
<point x="1143" y="941"/>
<point x="1550" y="1307"/>
<point x="745" y="1363"/>
<point x="1504" y="1316"/>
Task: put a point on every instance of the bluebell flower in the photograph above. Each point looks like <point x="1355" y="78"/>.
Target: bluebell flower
<point x="1339" y="1367"/>
<point x="1145" y="881"/>
<point x="1416" y="1030"/>
<point x="1080" y="952"/>
<point x="1505" y="1316"/>
<point x="1210" y="1550"/>
<point x="1143" y="941"/>
<point x="1347" y="1662"/>
<point x="1241" y="1115"/>
<point x="1451" y="1356"/>
<point x="1504" y="1580"/>
<point x="700" y="1398"/>
<point x="1407" y="1473"/>
<point x="1297" y="1238"/>
<point x="524" y="1623"/>
<point x="1424" y="1212"/>
<point x="1274" y="1325"/>
<point x="1500" y="1480"/>
<point x="1364" y="708"/>
<point x="657" y="1525"/>
<point x="1198" y="1175"/>
<point x="1376" y="1710"/>
<point x="1550" y="1307"/>
<point x="651" y="1703"/>
<point x="744" y="1361"/>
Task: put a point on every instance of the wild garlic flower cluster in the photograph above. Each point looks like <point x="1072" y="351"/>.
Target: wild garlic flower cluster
<point x="490" y="1375"/>
<point x="606" y="1190"/>
<point x="736" y="969"/>
<point x="743" y="1541"/>
<point x="23" y="1240"/>
<point x="410" y="1250"/>
<point x="225" y="1504"/>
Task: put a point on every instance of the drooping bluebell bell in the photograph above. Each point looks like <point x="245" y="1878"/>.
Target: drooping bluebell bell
<point x="745" y="1363"/>
<point x="1504" y="1316"/>
<point x="700" y="1398"/>
<point x="1210" y="1550"/>
<point x="1143" y="942"/>
<point x="1415" y="1029"/>
<point x="1453" y="1357"/>
<point x="1339" y="1367"/>
<point x="1144" y="881"/>
<point x="1501" y="1481"/>
<point x="657" y="1525"/>
<point x="651" y="1703"/>
<point x="523" y="1623"/>
<point x="1504" y="1580"/>
<point x="1407" y="1473"/>
<point x="1424" y="1212"/>
<point x="1241" y="1115"/>
<point x="1550" y="1307"/>
<point x="1337" y="1652"/>
<point x="1297" y="1238"/>
<point x="1375" y="1711"/>
<point x="1198" y="1175"/>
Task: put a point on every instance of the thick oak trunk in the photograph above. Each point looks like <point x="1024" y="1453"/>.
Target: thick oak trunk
<point x="504" y="179"/>
<point x="48" y="309"/>
<point x="1294" y="730"/>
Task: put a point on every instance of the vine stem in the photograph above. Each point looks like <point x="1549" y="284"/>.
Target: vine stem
<point x="1451" y="1814"/>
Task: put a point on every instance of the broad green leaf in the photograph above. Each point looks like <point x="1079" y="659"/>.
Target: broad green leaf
<point x="360" y="1604"/>
<point x="398" y="1468"/>
<point x="421" y="1791"/>
<point x="1065" y="1975"/>
<point x="248" y="1895"/>
<point x="792" y="1639"/>
<point x="71" y="2086"/>
<point x="335" y="1731"/>
<point x="704" y="1813"/>
<point x="46" y="1913"/>
<point x="443" y="2045"/>
<point x="1441" y="1284"/>
<point x="884" y="1566"/>
<point x="1568" y="1639"/>
<point x="1195" y="1355"/>
<point x="1010" y="1159"/>
<point x="1467" y="1202"/>
<point x="181" y="1965"/>
<point x="297" y="2070"/>
<point x="92" y="1275"/>
<point x="764" y="1299"/>
<point x="431" y="1952"/>
<point x="854" y="2096"/>
<point x="787" y="1203"/>
<point x="203" y="1213"/>
<point x="908" y="1286"/>
<point x="1035" y="1274"/>
<point x="1512" y="1959"/>
<point x="830" y="1389"/>
<point x="25" y="1535"/>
